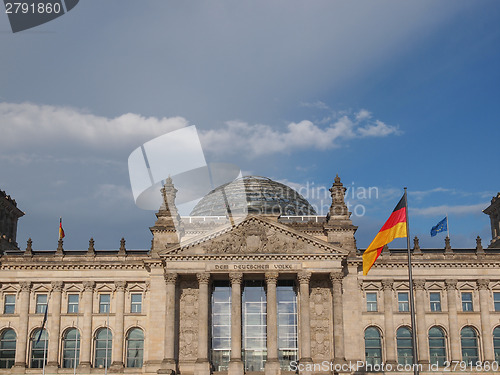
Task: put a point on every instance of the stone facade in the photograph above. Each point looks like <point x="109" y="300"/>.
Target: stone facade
<point x="158" y="303"/>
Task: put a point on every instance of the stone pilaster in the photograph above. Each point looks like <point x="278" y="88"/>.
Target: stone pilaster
<point x="22" y="335"/>
<point x="451" y="292"/>
<point x="272" y="362"/>
<point x="55" y="323"/>
<point x="86" y="344"/>
<point x="305" y="320"/>
<point x="202" y="366"/>
<point x="235" y="364"/>
<point x="338" y="317"/>
<point x="483" y="286"/>
<point x="118" y="335"/>
<point x="421" y="329"/>
<point x="387" y="285"/>
<point x="169" y="365"/>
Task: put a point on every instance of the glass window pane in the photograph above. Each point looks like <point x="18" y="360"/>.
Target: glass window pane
<point x="103" y="348"/>
<point x="71" y="357"/>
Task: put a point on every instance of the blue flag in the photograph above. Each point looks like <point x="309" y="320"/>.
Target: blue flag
<point x="439" y="227"/>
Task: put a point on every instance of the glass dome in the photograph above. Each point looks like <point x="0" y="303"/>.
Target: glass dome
<point x="253" y="195"/>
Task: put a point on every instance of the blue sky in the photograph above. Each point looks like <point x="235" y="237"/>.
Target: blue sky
<point x="386" y="93"/>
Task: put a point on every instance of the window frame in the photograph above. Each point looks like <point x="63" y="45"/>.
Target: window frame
<point x="5" y="304"/>
<point x="10" y="359"/>
<point x="371" y="304"/>
<point x="467" y="304"/>
<point x="108" y="354"/>
<point x="435" y="306"/>
<point x="72" y="304"/>
<point x="39" y="305"/>
<point x="400" y="339"/>
<point x="103" y="304"/>
<point x="135" y="304"/>
<point x="496" y="301"/>
<point x="404" y="303"/>
<point x="476" y="347"/>
<point x="39" y="347"/>
<point x="64" y="349"/>
<point x="128" y="349"/>
<point x="371" y="360"/>
<point x="440" y="359"/>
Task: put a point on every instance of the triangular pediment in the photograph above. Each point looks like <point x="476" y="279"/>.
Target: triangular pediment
<point x="254" y="235"/>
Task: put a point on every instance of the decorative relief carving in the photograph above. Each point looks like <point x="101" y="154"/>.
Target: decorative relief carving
<point x="304" y="277"/>
<point x="236" y="277"/>
<point x="419" y="284"/>
<point x="203" y="278"/>
<point x="120" y="285"/>
<point x="483" y="284"/>
<point x="170" y="277"/>
<point x="57" y="286"/>
<point x="88" y="286"/>
<point x="272" y="277"/>
<point x="25" y="286"/>
<point x="188" y="326"/>
<point x="320" y="310"/>
<point x="387" y="284"/>
<point x="451" y="284"/>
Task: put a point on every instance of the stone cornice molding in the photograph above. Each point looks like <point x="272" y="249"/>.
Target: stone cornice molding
<point x="170" y="277"/>
<point x="387" y="284"/>
<point x="252" y="257"/>
<point x="57" y="286"/>
<point x="483" y="262"/>
<point x="88" y="286"/>
<point x="483" y="284"/>
<point x="67" y="266"/>
<point x="419" y="284"/>
<point x="203" y="277"/>
<point x="272" y="277"/>
<point x="236" y="277"/>
<point x="304" y="277"/>
<point x="451" y="284"/>
<point x="120" y="286"/>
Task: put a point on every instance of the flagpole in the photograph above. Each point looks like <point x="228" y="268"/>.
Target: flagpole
<point x="107" y="339"/>
<point x="47" y="337"/>
<point x="77" y="341"/>
<point x="44" y="353"/>
<point x="410" y="284"/>
<point x="447" y="225"/>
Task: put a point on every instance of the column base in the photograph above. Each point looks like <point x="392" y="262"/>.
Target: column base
<point x="84" y="365"/>
<point x="168" y="366"/>
<point x="18" y="368"/>
<point x="116" y="367"/>
<point x="272" y="367"/>
<point x="306" y="364"/>
<point x="236" y="367"/>
<point x="52" y="367"/>
<point x="202" y="367"/>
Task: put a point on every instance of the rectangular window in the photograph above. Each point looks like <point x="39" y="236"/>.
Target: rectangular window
<point x="435" y="298"/>
<point x="41" y="303"/>
<point x="104" y="300"/>
<point x="136" y="303"/>
<point x="72" y="303"/>
<point x="496" y="300"/>
<point x="9" y="306"/>
<point x="467" y="301"/>
<point x="371" y="302"/>
<point x="403" y="304"/>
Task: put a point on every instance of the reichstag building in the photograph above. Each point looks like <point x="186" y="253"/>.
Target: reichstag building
<point x="276" y="290"/>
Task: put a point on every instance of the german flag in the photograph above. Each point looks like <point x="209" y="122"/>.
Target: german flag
<point x="394" y="227"/>
<point x="61" y="230"/>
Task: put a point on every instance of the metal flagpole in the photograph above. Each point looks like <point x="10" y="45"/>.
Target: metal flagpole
<point x="447" y="225"/>
<point x="77" y="341"/>
<point x="107" y="339"/>
<point x="410" y="282"/>
<point x="46" y="336"/>
<point x="44" y="353"/>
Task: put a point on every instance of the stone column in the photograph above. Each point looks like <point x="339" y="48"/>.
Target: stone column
<point x="55" y="324"/>
<point x="235" y="364"/>
<point x="483" y="286"/>
<point x="451" y="290"/>
<point x="168" y="364"/>
<point x="272" y="362"/>
<point x="338" y="317"/>
<point x="118" y="336"/>
<point x="86" y="335"/>
<point x="304" y="319"/>
<point x="202" y="366"/>
<point x="22" y="334"/>
<point x="421" y="329"/>
<point x="390" y="353"/>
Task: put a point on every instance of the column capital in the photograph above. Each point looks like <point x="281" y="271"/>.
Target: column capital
<point x="235" y="277"/>
<point x="387" y="284"/>
<point x="25" y="286"/>
<point x="170" y="277"/>
<point x="304" y="277"/>
<point x="451" y="284"/>
<point x="419" y="284"/>
<point x="483" y="284"/>
<point x="56" y="286"/>
<point x="272" y="277"/>
<point x="203" y="277"/>
<point x="336" y="277"/>
<point x="88" y="286"/>
<point x="120" y="285"/>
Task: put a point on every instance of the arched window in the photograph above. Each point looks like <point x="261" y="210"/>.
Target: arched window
<point x="7" y="348"/>
<point x="405" y="348"/>
<point x="496" y="343"/>
<point x="135" y="347"/>
<point x="373" y="346"/>
<point x="470" y="351"/>
<point x="437" y="346"/>
<point x="39" y="348"/>
<point x="102" y="348"/>
<point x="71" y="348"/>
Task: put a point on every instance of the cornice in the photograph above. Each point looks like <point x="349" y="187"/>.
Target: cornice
<point x="251" y="257"/>
<point x="62" y="266"/>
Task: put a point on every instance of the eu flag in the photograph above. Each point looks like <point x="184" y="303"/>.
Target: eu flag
<point x="439" y="227"/>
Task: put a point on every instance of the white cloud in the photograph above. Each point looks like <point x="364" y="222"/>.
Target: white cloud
<point x="259" y="139"/>
<point x="445" y="209"/>
<point x="28" y="125"/>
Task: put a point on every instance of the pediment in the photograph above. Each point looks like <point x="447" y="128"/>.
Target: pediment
<point x="255" y="235"/>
